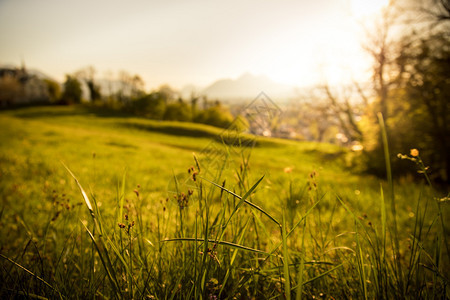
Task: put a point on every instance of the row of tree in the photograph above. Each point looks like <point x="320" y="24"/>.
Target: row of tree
<point x="161" y="104"/>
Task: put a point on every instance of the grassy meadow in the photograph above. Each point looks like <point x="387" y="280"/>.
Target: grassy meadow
<point x="98" y="204"/>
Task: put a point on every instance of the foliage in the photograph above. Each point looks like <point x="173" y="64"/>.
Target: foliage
<point x="54" y="90"/>
<point x="151" y="106"/>
<point x="72" y="91"/>
<point x="178" y="111"/>
<point x="94" y="90"/>
<point x="131" y="86"/>
<point x="216" y="115"/>
<point x="427" y="91"/>
<point x="412" y="90"/>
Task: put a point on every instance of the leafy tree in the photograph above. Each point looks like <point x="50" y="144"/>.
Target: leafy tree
<point x="94" y="90"/>
<point x="72" y="90"/>
<point x="53" y="89"/>
<point x="167" y="92"/>
<point x="87" y="75"/>
<point x="130" y="87"/>
<point x="414" y="101"/>
<point x="216" y="116"/>
<point x="426" y="69"/>
<point x="152" y="106"/>
<point x="178" y="111"/>
<point x="137" y="85"/>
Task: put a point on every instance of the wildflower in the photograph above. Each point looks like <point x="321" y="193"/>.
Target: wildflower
<point x="414" y="152"/>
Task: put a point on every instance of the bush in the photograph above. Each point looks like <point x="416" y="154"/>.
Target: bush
<point x="178" y="111"/>
<point x="151" y="106"/>
<point x="215" y="116"/>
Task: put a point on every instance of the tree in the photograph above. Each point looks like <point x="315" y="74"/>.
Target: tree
<point x="168" y="93"/>
<point x="137" y="85"/>
<point x="340" y="105"/>
<point x="72" y="90"/>
<point x="426" y="69"/>
<point x="53" y="89"/>
<point x="216" y="116"/>
<point x="411" y="88"/>
<point x="383" y="45"/>
<point x="438" y="11"/>
<point x="87" y="74"/>
<point x="178" y="111"/>
<point x="151" y="106"/>
<point x="130" y="87"/>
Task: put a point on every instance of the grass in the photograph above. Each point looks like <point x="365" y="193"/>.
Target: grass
<point x="126" y="219"/>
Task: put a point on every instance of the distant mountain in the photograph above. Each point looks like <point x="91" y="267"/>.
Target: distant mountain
<point x="247" y="87"/>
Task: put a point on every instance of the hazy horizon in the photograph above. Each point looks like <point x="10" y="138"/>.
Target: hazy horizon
<point x="178" y="43"/>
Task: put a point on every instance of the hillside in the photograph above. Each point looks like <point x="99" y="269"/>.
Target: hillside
<point x="143" y="213"/>
<point x="72" y="134"/>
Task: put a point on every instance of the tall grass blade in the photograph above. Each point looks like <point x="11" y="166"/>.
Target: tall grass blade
<point x="31" y="273"/>
<point x="398" y="270"/>
<point x="244" y="200"/>
<point x="233" y="258"/>
<point x="301" y="268"/>
<point x="287" y="280"/>
<point x="83" y="193"/>
<point x="105" y="261"/>
<point x="360" y="261"/>
<point x="318" y="276"/>
<point x="100" y="245"/>
<point x="223" y="243"/>
<point x="121" y="198"/>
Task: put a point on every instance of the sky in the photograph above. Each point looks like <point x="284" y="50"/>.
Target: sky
<point x="175" y="42"/>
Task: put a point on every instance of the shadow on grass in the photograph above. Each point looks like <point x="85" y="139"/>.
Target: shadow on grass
<point x="45" y="111"/>
<point x="129" y="120"/>
<point x="171" y="129"/>
<point x="193" y="130"/>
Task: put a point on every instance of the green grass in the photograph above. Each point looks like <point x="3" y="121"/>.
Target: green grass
<point x="143" y="228"/>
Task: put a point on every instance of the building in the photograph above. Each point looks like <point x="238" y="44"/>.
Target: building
<point x="18" y="87"/>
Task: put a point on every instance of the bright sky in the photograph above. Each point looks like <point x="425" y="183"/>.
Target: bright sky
<point x="181" y="42"/>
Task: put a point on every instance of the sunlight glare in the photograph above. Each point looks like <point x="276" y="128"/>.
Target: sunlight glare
<point x="363" y="8"/>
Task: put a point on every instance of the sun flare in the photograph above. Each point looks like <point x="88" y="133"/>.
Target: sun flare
<point x="364" y="8"/>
